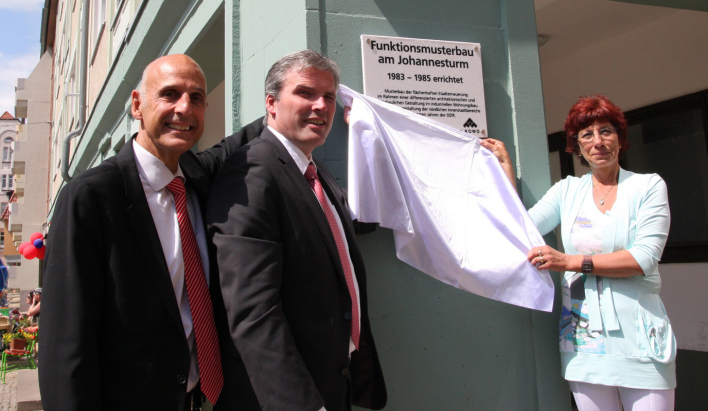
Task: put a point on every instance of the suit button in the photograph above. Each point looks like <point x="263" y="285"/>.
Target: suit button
<point x="345" y="371"/>
<point x="347" y="315"/>
<point x="181" y="379"/>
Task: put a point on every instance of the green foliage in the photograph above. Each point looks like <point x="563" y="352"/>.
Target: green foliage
<point x="7" y="337"/>
<point x="19" y="322"/>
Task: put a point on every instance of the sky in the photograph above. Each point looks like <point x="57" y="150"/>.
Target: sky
<point x="20" y="22"/>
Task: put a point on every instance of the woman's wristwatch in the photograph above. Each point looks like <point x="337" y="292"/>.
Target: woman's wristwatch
<point x="587" y="264"/>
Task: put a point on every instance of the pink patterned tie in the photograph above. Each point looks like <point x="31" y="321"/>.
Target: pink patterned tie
<point x="208" y="355"/>
<point x="311" y="176"/>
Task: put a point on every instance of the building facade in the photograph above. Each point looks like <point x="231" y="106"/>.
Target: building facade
<point x="8" y="135"/>
<point x="28" y="212"/>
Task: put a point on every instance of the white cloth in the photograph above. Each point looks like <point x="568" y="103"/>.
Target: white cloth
<point x="154" y="175"/>
<point x="454" y="213"/>
<point x="302" y="161"/>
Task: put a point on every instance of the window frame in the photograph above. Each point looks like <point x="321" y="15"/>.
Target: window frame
<point x="689" y="252"/>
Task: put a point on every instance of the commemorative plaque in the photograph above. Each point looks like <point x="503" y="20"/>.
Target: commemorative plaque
<point x="438" y="79"/>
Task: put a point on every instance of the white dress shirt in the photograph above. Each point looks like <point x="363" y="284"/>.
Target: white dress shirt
<point x="154" y="176"/>
<point x="302" y="161"/>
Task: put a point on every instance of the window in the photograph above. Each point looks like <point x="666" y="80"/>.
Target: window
<point x="72" y="98"/>
<point x="57" y="147"/>
<point x="670" y="139"/>
<point x="124" y="18"/>
<point x="2" y="238"/>
<point x="8" y="140"/>
<point x="6" y="154"/>
<point x="7" y="181"/>
<point x="99" y="22"/>
<point x="99" y="17"/>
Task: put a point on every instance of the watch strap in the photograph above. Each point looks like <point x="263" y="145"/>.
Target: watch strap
<point x="587" y="266"/>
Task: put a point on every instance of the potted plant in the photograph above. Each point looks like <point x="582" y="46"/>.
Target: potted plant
<point x="16" y="340"/>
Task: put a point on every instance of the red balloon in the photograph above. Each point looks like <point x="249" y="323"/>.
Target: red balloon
<point x="22" y="246"/>
<point x="41" y="252"/>
<point x="35" y="236"/>
<point x="30" y="252"/>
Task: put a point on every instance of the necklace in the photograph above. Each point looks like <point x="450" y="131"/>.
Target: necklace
<point x="602" y="200"/>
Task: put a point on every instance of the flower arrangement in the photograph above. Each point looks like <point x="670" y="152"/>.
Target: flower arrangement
<point x="21" y="334"/>
<point x="19" y="331"/>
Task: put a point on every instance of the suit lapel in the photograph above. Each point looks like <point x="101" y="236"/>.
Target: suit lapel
<point x="304" y="191"/>
<point x="145" y="234"/>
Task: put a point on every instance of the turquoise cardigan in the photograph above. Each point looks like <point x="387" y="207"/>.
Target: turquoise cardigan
<point x="640" y="224"/>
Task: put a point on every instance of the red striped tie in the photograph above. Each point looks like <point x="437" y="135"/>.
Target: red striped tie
<point x="311" y="176"/>
<point x="208" y="355"/>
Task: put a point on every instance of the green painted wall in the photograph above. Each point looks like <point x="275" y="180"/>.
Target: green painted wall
<point x="441" y="348"/>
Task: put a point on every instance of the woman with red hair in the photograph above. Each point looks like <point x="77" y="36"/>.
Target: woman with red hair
<point x="617" y="346"/>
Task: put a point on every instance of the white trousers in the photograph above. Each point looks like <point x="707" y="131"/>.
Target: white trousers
<point x="595" y="397"/>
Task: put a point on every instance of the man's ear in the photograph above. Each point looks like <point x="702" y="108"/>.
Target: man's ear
<point x="270" y="105"/>
<point x="135" y="105"/>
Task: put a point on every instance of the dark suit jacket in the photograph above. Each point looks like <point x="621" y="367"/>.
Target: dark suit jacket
<point x="289" y="311"/>
<point x="112" y="337"/>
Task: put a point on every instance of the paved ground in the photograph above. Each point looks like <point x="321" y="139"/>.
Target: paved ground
<point x="8" y="393"/>
<point x="20" y="391"/>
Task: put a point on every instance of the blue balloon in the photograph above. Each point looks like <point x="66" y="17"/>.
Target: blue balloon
<point x="38" y="243"/>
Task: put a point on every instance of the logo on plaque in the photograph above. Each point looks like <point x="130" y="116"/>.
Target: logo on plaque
<point x="470" y="124"/>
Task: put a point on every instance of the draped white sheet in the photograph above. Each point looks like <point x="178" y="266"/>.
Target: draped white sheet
<point x="454" y="214"/>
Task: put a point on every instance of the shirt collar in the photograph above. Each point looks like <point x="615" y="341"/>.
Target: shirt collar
<point x="152" y="170"/>
<point x="301" y="160"/>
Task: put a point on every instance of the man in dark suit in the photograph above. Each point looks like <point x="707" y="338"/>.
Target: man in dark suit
<point x="118" y="331"/>
<point x="291" y="274"/>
